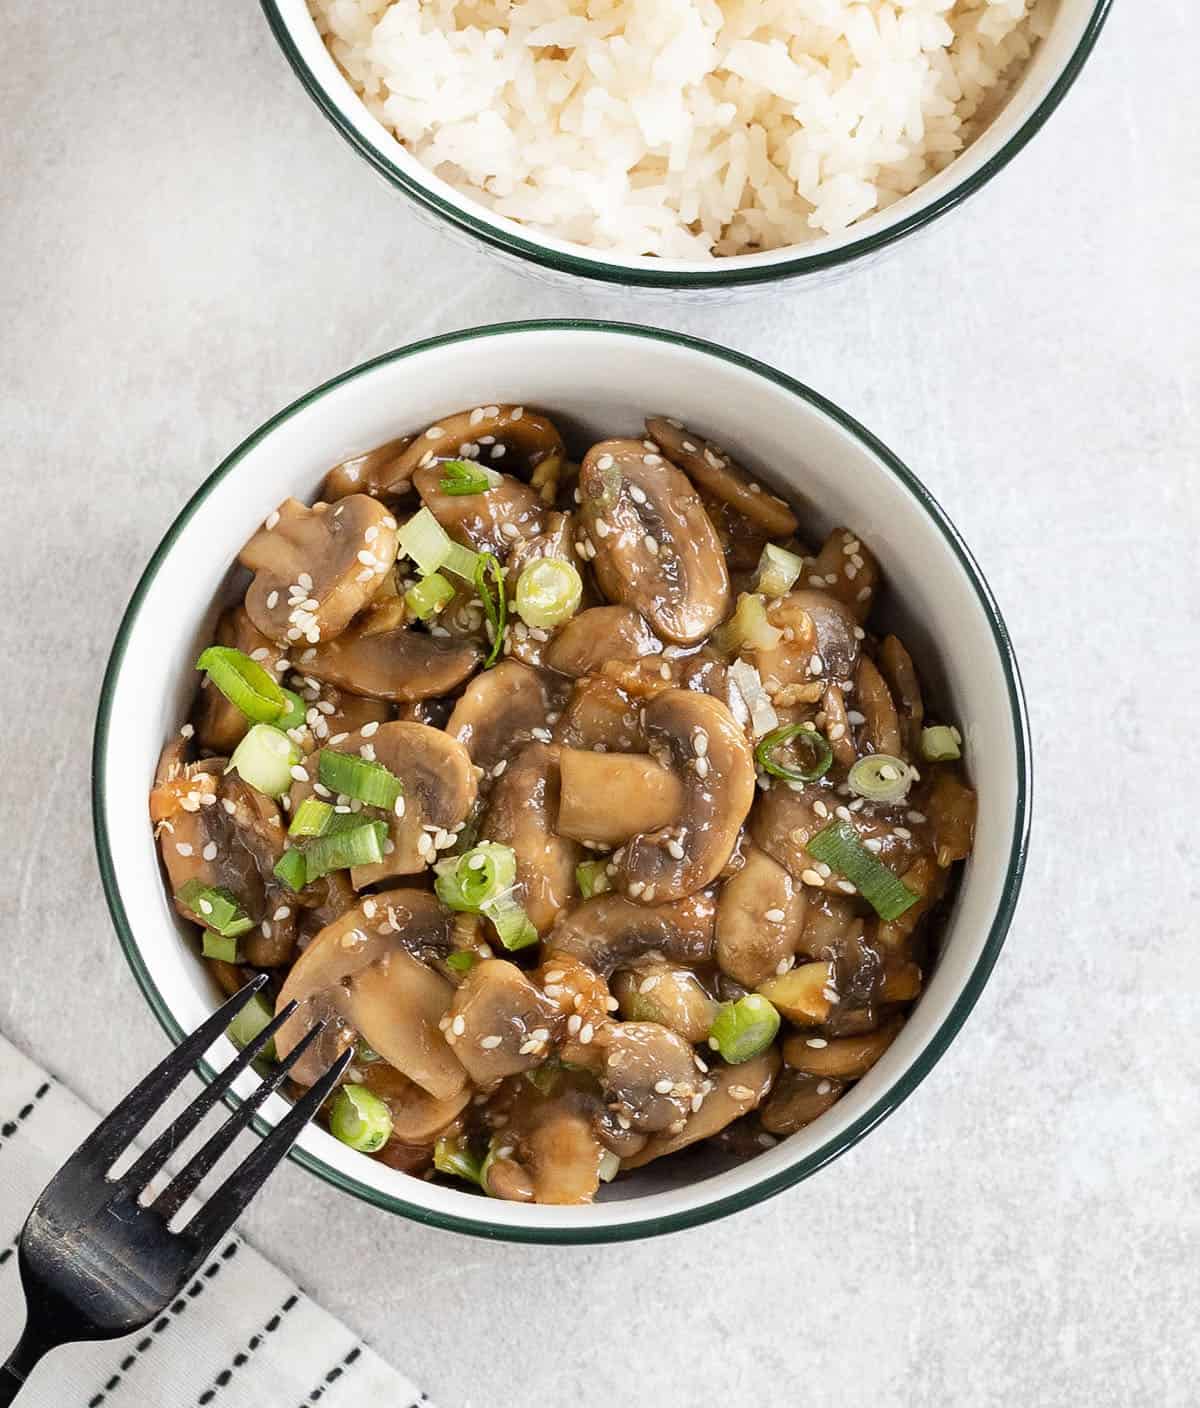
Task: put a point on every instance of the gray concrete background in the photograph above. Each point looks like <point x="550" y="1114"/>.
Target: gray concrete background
<point x="186" y="246"/>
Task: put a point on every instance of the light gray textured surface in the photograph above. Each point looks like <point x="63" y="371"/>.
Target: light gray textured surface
<point x="186" y="247"/>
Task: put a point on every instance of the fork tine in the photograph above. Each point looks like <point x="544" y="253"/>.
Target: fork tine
<point x="184" y="1184"/>
<point x="226" y="1205"/>
<point x="173" y="1136"/>
<point x="115" y="1133"/>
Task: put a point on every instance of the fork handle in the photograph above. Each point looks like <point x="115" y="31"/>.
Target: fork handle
<point x="19" y="1365"/>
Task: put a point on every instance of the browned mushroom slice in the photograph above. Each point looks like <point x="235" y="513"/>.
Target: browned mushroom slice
<point x="417" y="1118"/>
<point x="951" y="807"/>
<point x="548" y="1146"/>
<point x="846" y="570"/>
<point x="708" y="466"/>
<point x="522" y="813"/>
<point x="874" y="701"/>
<point x="439" y="790"/>
<point x="707" y="749"/>
<point x="599" y="715"/>
<point x="511" y="438"/>
<point x="842" y="1058"/>
<point x="797" y="1100"/>
<point x="499" y="1023"/>
<point x="928" y="881"/>
<point x="402" y="665"/>
<point x="556" y="540"/>
<point x="650" y="543"/>
<point x="897" y="668"/>
<point x="760" y="916"/>
<point x="609" y="932"/>
<point x="333" y="713"/>
<point x="837" y="727"/>
<point x="377" y="472"/>
<point x="830" y="921"/>
<point x="734" y="1092"/>
<point x="609" y="797"/>
<point x="360" y="976"/>
<point x="819" y="644"/>
<point x="667" y="994"/>
<point x="650" y="1075"/>
<point x="499" y="712"/>
<point x="603" y="633"/>
<point x="220" y="725"/>
<point x="805" y="995"/>
<point x="493" y="521"/>
<point x="316" y="568"/>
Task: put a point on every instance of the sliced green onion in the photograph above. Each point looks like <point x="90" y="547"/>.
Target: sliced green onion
<point x="748" y="627"/>
<point x="215" y="908"/>
<point x="511" y="921"/>
<point x="340" y="850"/>
<point x="428" y="596"/>
<point x="941" y="743"/>
<point x="311" y="818"/>
<point x="545" y="1078"/>
<point x="424" y="540"/>
<point x="744" y="1028"/>
<point x="366" y="1055"/>
<point x="265" y="759"/>
<point x="548" y="592"/>
<point x="349" y="775"/>
<point x="880" y="778"/>
<point x="777" y="571"/>
<point x="296" y="715"/>
<point x="360" y="1119"/>
<point x="453" y="1157"/>
<point x="593" y="878"/>
<point x="806" y="740"/>
<point x="462" y="960"/>
<point x="218" y="946"/>
<point x="290" y="868"/>
<point x="466" y="477"/>
<point x="244" y="683"/>
<point x="495" y="604"/>
<point x="839" y="847"/>
<point x="483" y="873"/>
<point x="249" y="1022"/>
<point x="462" y="562"/>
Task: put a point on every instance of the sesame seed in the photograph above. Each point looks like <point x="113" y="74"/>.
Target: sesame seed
<point x="774" y="916"/>
<point x="574" y="1022"/>
<point x="904" y="833"/>
<point x="783" y="966"/>
<point x="700" y="743"/>
<point x="183" y="848"/>
<point x="650" y="983"/>
<point x="298" y="773"/>
<point x="741" y="1092"/>
<point x="601" y="528"/>
<point x="824" y="1088"/>
<point x="210" y="851"/>
<point x="435" y="432"/>
<point x="916" y="817"/>
<point x="810" y="877"/>
<point x="543" y="735"/>
<point x="272" y="600"/>
<point x="846" y="887"/>
<point x="651" y="545"/>
<point x="459" y="1025"/>
<point x="663" y="1087"/>
<point x="586" y="1032"/>
<point x="701" y="766"/>
<point x="873" y="843"/>
<point x="816" y="665"/>
<point x="605" y="462"/>
<point x="489" y="1043"/>
<point x="821" y="809"/>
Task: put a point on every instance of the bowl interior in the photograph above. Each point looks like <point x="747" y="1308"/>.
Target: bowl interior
<point x="1049" y="72"/>
<point x="598" y="380"/>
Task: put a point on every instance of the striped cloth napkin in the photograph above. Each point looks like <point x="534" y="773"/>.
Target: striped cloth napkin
<point x="242" y="1335"/>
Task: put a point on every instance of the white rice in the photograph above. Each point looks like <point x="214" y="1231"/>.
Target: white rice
<point x="684" y="128"/>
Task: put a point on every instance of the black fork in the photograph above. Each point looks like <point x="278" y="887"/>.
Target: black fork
<point x="97" y="1264"/>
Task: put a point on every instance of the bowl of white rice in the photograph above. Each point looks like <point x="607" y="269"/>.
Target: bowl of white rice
<point x="687" y="143"/>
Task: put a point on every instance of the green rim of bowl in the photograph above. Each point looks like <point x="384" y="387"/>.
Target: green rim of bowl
<point x="724" y="275"/>
<point x="926" y="1058"/>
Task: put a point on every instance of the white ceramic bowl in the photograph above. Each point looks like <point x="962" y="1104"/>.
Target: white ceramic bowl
<point x="597" y="379"/>
<point x="1054" y="67"/>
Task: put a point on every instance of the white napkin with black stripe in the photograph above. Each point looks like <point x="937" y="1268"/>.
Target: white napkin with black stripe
<point x="242" y="1335"/>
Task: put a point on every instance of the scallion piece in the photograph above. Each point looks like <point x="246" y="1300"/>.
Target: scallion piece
<point x="838" y="846"/>
<point x="777" y="571"/>
<point x="244" y="683"/>
<point x="744" y="1028"/>
<point x="610" y="1166"/>
<point x="290" y="868"/>
<point x="247" y="1024"/>
<point x="351" y="776"/>
<point x="296" y="715"/>
<point x="941" y="743"/>
<point x="546" y="1077"/>
<point x="813" y="746"/>
<point x="495" y="604"/>
<point x="461" y="960"/>
<point x="748" y="627"/>
<point x="511" y="922"/>
<point x="215" y="908"/>
<point x="311" y="818"/>
<point x="453" y="1157"/>
<point x="366" y="1055"/>
<point x="360" y="1119"/>
<point x="483" y="873"/>
<point x="593" y="878"/>
<point x="424" y="540"/>
<point x="465" y="477"/>
<point x="220" y="947"/>
<point x="341" y="850"/>
<point x="463" y="562"/>
<point x="429" y="596"/>
<point x="880" y="778"/>
<point x="548" y="592"/>
<point x="265" y="759"/>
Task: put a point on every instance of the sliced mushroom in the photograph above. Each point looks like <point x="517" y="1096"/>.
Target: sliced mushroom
<point x="594" y="637"/>
<point x="417" y="1118"/>
<point x="897" y="668"/>
<point x="499" y="1023"/>
<point x="650" y="1075"/>
<point x="925" y="879"/>
<point x="847" y="570"/>
<point x="708" y="466"/>
<point x="705" y="747"/>
<point x="819" y="645"/>
<point x="874" y="699"/>
<point x="499" y="711"/>
<point x="609" y="932"/>
<point x="760" y="916"/>
<point x="511" y="438"/>
<point x="492" y="521"/>
<point x="316" y="568"/>
<point x="522" y="813"/>
<point x="667" y="994"/>
<point x="359" y="975"/>
<point x="439" y="785"/>
<point x="734" y="1092"/>
<point x="220" y="725"/>
<point x="548" y="1145"/>
<point x="377" y="472"/>
<point x="951" y="807"/>
<point x="607" y="798"/>
<point x="797" y="1100"/>
<point x="601" y="716"/>
<point x="650" y="543"/>
<point x="842" y="1058"/>
<point x="837" y="727"/>
<point x="403" y="665"/>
